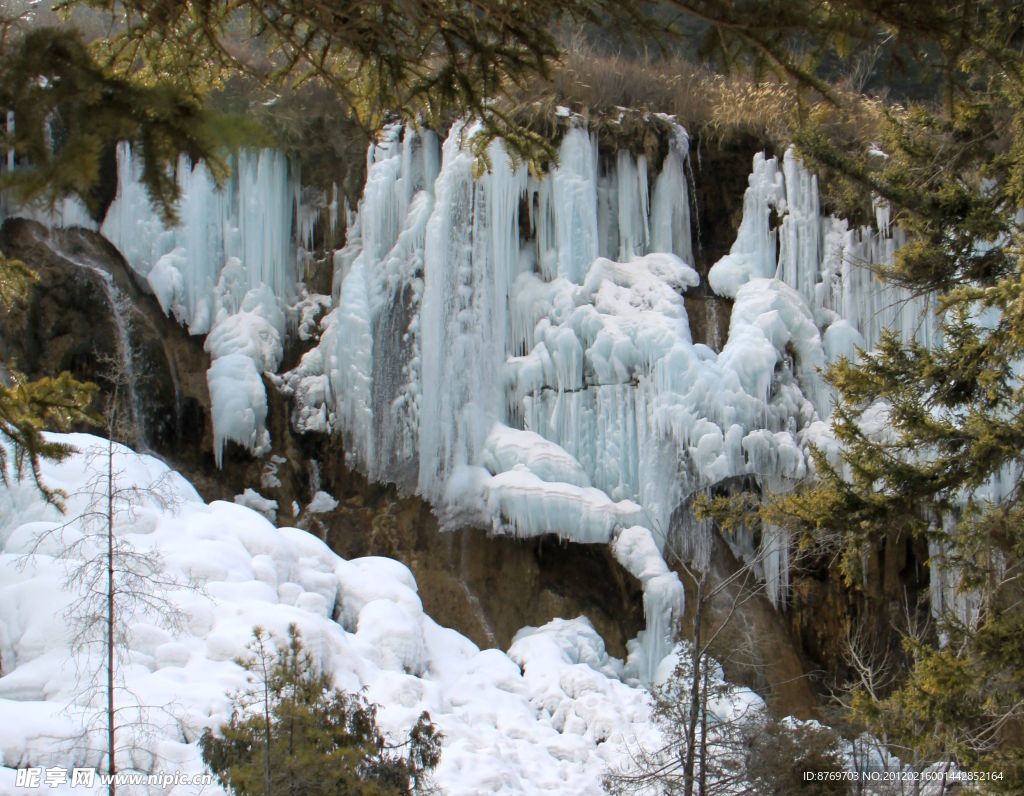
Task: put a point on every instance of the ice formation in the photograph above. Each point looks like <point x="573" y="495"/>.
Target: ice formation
<point x="227" y="270"/>
<point x="516" y="348"/>
<point x="452" y="325"/>
<point x="547" y="717"/>
<point x="823" y="259"/>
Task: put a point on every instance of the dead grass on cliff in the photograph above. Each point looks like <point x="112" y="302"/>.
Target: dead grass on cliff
<point x="609" y="88"/>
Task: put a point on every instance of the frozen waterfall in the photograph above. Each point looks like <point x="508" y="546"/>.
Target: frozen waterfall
<point x="516" y="348"/>
<point x="227" y="270"/>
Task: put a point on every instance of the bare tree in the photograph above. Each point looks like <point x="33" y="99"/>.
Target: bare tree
<point x="115" y="581"/>
<point x="875" y="670"/>
<point x="703" y="753"/>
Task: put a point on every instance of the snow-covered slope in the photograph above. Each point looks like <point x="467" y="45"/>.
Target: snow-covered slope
<point x="547" y="717"/>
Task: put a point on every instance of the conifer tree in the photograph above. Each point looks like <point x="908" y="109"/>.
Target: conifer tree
<point x="293" y="732"/>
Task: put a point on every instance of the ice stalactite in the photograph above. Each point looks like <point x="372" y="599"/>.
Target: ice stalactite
<point x="370" y="343"/>
<point x="250" y="218"/>
<point x="471" y="258"/>
<point x="753" y="255"/>
<point x="516" y="347"/>
<point x="228" y="270"/>
<point x="568" y="202"/>
<point x="831" y="266"/>
<point x="670" y="205"/>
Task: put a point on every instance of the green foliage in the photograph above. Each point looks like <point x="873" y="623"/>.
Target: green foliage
<point x="292" y="732"/>
<point x="422" y="61"/>
<point x="27" y="408"/>
<point x="15" y="277"/>
<point x="70" y="112"/>
<point x="730" y="512"/>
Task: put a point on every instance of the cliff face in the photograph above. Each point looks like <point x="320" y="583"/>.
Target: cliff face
<point x="88" y="314"/>
<point x="90" y="306"/>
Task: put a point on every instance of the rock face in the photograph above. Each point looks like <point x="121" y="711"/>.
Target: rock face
<point x="87" y="314"/>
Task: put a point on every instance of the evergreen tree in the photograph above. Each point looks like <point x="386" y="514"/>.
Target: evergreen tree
<point x="69" y="112"/>
<point x="150" y="78"/>
<point x="292" y="732"/>
<point x="27" y="408"/>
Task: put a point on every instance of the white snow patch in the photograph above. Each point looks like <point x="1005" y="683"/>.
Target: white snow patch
<point x="547" y="719"/>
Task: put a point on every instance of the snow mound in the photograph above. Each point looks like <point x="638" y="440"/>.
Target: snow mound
<point x="548" y="717"/>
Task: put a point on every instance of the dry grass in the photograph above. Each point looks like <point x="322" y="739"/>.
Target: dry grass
<point x="618" y="95"/>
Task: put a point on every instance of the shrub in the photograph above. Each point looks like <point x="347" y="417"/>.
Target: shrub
<point x="292" y="732"/>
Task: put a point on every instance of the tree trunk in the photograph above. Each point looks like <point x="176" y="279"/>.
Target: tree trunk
<point x="703" y="773"/>
<point x="266" y="727"/>
<point x="695" y="690"/>
<point x="112" y="765"/>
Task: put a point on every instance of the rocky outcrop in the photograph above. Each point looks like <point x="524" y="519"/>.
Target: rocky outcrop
<point x="87" y="314"/>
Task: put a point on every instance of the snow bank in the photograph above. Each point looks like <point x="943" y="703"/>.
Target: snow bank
<point x="546" y="718"/>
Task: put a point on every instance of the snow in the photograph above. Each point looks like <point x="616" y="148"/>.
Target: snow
<point x="550" y="715"/>
<point x="252" y="499"/>
<point x="321" y="503"/>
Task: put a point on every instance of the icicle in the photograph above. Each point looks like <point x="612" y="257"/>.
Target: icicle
<point x="753" y="253"/>
<point x="632" y="206"/>
<point x="670" y="209"/>
<point x="574" y="196"/>
<point x="471" y="258"/>
<point x="227" y="270"/>
<point x="250" y="219"/>
<point x="800" y="231"/>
